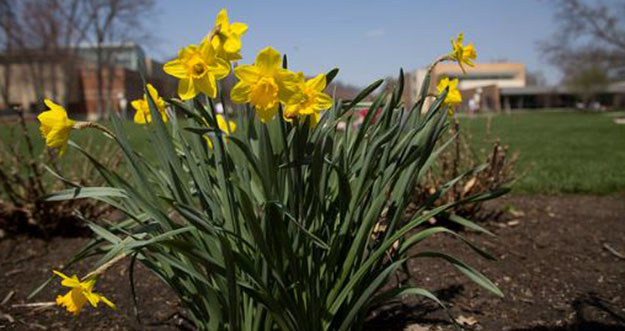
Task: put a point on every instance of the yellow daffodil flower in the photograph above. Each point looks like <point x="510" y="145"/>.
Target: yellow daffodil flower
<point x="227" y="40"/>
<point x="143" y="114"/>
<point x="463" y="54"/>
<point x="55" y="126"/>
<point x="309" y="98"/>
<point x="80" y="294"/>
<point x="198" y="68"/>
<point x="227" y="127"/>
<point x="264" y="84"/>
<point x="453" y="98"/>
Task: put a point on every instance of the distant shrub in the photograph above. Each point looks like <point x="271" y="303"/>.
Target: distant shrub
<point x="27" y="174"/>
<point x="482" y="171"/>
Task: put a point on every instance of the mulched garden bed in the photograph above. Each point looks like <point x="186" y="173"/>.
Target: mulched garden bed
<point x="561" y="265"/>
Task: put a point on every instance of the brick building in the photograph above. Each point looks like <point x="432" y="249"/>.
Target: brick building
<point x="27" y="77"/>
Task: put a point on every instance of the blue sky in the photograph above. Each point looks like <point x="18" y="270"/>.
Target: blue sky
<point x="367" y="40"/>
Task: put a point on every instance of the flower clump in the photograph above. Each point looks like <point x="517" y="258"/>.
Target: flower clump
<point x="266" y="85"/>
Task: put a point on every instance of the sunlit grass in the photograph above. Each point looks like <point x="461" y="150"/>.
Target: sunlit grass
<point x="560" y="152"/>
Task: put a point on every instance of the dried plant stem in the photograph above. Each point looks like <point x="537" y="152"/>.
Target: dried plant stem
<point x="102" y="269"/>
<point x="94" y="125"/>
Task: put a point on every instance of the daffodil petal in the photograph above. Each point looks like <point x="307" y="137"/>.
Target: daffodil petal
<point x="164" y="116"/>
<point x="209" y="143"/>
<point x="240" y="93"/>
<point x="206" y="49"/>
<point x="238" y="28"/>
<point x="139" y="117"/>
<point x="220" y="69"/>
<point x="153" y="92"/>
<point x="108" y="302"/>
<point x="247" y="73"/>
<point x="268" y="60"/>
<point x="52" y="118"/>
<point x="186" y="89"/>
<point x="232" y="45"/>
<point x="221" y="123"/>
<point x="63" y="276"/>
<point x="93" y="298"/>
<point x="207" y="85"/>
<point x="318" y="83"/>
<point x="137" y="104"/>
<point x="175" y="68"/>
<point x="323" y="101"/>
<point x="222" y="18"/>
<point x="53" y="106"/>
<point x="57" y="137"/>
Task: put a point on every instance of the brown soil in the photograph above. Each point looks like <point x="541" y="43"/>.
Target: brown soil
<point x="560" y="264"/>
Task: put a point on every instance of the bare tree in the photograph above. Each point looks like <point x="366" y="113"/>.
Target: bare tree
<point x="589" y="33"/>
<point x="535" y="78"/>
<point x="588" y="42"/>
<point x="48" y="36"/>
<point x="588" y="82"/>
<point x="114" y="21"/>
<point x="44" y="35"/>
<point x="6" y="15"/>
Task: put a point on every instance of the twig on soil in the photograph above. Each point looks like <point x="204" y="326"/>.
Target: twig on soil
<point x="7" y="298"/>
<point x="7" y="317"/>
<point x="36" y="325"/>
<point x="8" y="253"/>
<point x="24" y="259"/>
<point x="614" y="251"/>
<point x="12" y="272"/>
<point x="34" y="304"/>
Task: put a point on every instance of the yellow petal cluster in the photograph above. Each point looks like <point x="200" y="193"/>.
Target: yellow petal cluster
<point x="265" y="84"/>
<point x="55" y="126"/>
<point x="227" y="39"/>
<point x="227" y="127"/>
<point x="142" y="107"/>
<point x="463" y="54"/>
<point x="309" y="99"/>
<point x="80" y="294"/>
<point x="198" y="68"/>
<point x="453" y="98"/>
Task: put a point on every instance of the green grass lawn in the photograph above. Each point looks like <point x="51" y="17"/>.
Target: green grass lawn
<point x="72" y="163"/>
<point x="560" y="152"/>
